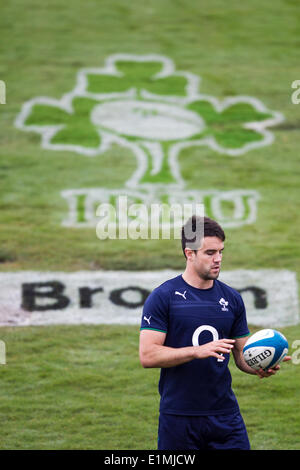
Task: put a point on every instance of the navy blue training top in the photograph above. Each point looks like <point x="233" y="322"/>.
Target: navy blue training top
<point x="191" y="316"/>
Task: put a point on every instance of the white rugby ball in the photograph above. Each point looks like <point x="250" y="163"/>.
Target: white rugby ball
<point x="265" y="349"/>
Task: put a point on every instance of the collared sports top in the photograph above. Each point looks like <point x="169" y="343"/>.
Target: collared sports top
<point x="190" y="317"/>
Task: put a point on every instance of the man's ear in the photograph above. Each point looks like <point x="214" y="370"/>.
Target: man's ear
<point x="189" y="253"/>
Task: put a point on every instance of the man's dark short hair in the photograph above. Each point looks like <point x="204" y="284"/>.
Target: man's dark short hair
<point x="208" y="227"/>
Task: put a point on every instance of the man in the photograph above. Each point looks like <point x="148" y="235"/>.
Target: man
<point x="190" y="324"/>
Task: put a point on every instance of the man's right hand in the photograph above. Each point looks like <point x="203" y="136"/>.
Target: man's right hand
<point x="214" y="348"/>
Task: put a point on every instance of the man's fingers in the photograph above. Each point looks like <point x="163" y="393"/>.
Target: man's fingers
<point x="224" y="346"/>
<point x="267" y="373"/>
<point x="216" y="348"/>
<point x="218" y="356"/>
<point x="223" y="350"/>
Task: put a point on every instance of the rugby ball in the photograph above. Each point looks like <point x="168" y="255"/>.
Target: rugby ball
<point x="265" y="349"/>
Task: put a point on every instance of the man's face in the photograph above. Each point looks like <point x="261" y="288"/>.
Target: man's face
<point x="207" y="260"/>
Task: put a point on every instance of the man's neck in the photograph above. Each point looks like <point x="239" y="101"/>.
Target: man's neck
<point x="194" y="280"/>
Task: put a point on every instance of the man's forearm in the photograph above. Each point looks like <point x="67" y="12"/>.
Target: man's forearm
<point x="164" y="356"/>
<point x="156" y="355"/>
<point x="242" y="364"/>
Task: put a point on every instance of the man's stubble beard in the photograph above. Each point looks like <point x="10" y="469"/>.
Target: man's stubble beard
<point x="208" y="276"/>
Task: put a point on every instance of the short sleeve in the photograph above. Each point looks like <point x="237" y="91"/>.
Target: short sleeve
<point x="240" y="326"/>
<point x="156" y="312"/>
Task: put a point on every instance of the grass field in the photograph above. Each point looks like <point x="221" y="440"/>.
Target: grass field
<point x="82" y="386"/>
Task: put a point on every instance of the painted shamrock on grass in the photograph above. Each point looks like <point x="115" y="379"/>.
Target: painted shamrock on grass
<point x="143" y="103"/>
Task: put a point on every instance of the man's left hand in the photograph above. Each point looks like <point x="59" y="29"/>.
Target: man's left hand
<point x="267" y="373"/>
